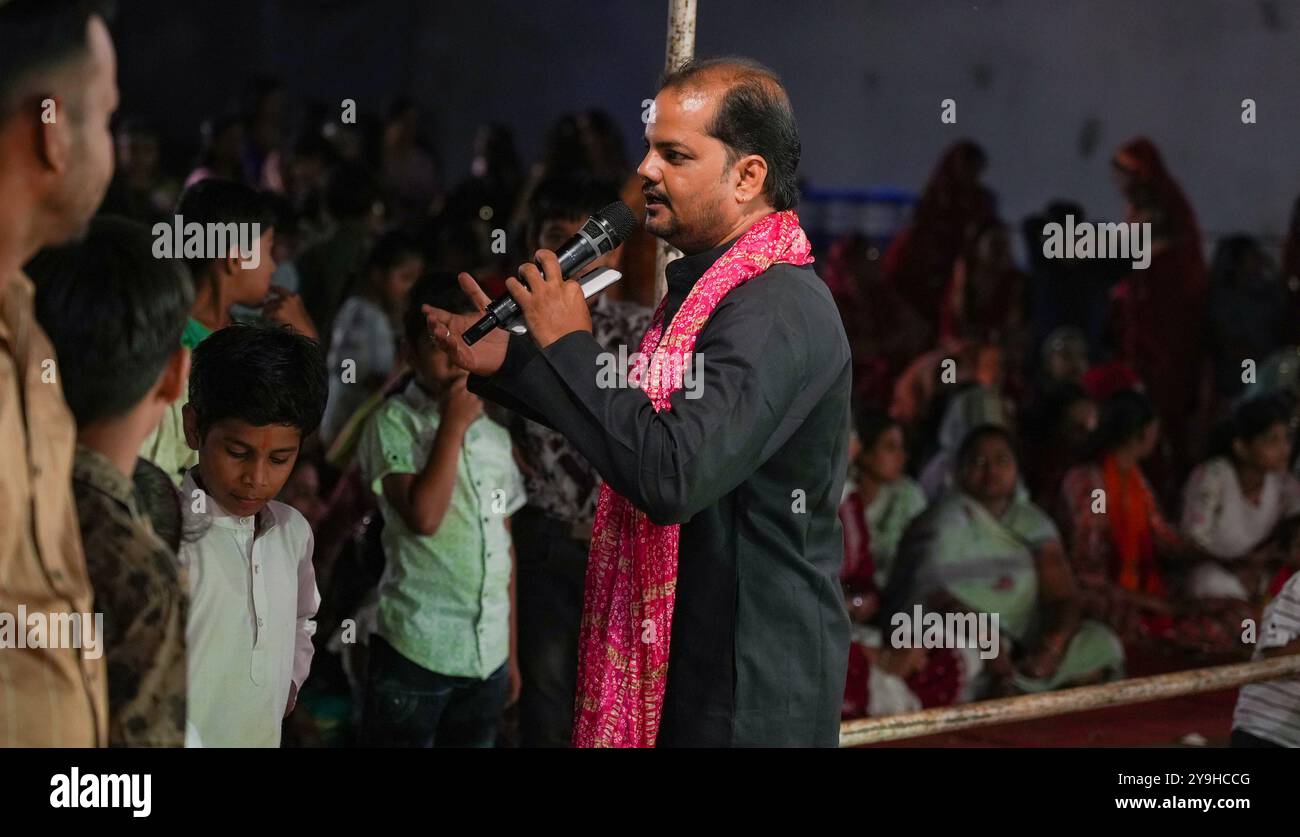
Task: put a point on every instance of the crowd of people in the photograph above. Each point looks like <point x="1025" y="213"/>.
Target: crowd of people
<point x="302" y="528"/>
<point x="1100" y="453"/>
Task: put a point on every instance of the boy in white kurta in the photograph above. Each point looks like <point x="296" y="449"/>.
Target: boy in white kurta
<point x="255" y="392"/>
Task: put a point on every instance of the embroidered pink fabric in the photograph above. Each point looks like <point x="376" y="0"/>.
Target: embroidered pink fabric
<point x="631" y="580"/>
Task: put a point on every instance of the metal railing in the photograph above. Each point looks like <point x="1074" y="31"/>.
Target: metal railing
<point x="1026" y="707"/>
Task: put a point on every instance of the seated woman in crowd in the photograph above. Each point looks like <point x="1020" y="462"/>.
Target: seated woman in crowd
<point x="1119" y="540"/>
<point x="882" y="500"/>
<point x="1235" y="500"/>
<point x="985" y="548"/>
<point x="967" y="409"/>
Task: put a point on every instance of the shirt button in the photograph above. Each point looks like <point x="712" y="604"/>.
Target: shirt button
<point x="243" y="521"/>
<point x="257" y="568"/>
<point x="259" y="621"/>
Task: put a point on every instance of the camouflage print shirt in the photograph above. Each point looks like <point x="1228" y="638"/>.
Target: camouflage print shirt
<point x="557" y="478"/>
<point x="140" y="589"/>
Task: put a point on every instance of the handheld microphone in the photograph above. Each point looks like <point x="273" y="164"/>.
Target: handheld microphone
<point x="603" y="231"/>
<point x="592" y="284"/>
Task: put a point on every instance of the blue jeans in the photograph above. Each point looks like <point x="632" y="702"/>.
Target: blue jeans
<point x="407" y="705"/>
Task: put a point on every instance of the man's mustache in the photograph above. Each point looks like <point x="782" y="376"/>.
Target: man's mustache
<point x="656" y="196"/>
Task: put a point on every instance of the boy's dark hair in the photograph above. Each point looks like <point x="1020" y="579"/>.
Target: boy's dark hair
<point x="37" y="36"/>
<point x="979" y="434"/>
<point x="566" y="197"/>
<point x="261" y="375"/>
<point x="218" y="201"/>
<point x="114" y="314"/>
<point x="391" y="249"/>
<point x="754" y="117"/>
<point x="441" y="290"/>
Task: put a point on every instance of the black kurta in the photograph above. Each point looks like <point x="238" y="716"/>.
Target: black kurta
<point x="753" y="470"/>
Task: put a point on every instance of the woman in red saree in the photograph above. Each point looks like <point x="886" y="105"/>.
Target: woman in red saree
<point x="919" y="261"/>
<point x="985" y="300"/>
<point x="884" y="333"/>
<point x="1160" y="311"/>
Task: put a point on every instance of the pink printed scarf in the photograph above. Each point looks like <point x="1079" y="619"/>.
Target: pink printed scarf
<point x="631" y="582"/>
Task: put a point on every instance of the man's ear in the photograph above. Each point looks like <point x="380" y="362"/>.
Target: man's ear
<point x="752" y="174"/>
<point x="175" y="376"/>
<point x="51" y="131"/>
<point x="191" y="421"/>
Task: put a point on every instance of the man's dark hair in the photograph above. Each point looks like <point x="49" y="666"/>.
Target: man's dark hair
<point x="566" y="197"/>
<point x="439" y="289"/>
<point x="218" y="201"/>
<point x="261" y="375"/>
<point x="38" y="35"/>
<point x="114" y="314"/>
<point x="754" y="117"/>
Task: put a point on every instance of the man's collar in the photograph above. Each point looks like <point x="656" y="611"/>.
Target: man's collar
<point x="684" y="272"/>
<point x="211" y="510"/>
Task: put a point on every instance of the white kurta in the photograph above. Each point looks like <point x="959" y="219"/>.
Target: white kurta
<point x="252" y="600"/>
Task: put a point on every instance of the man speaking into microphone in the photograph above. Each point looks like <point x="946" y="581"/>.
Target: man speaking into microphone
<point x="712" y="609"/>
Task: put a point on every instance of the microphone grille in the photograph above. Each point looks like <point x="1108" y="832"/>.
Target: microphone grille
<point x="621" y="220"/>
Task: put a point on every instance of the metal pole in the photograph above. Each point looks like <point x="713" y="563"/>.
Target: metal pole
<point x="680" y="49"/>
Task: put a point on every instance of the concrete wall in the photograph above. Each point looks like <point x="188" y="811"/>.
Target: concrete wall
<point x="1050" y="87"/>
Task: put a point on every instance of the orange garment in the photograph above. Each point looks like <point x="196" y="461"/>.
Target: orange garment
<point x="1131" y="508"/>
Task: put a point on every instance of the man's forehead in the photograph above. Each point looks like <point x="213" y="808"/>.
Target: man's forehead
<point x="683" y="111"/>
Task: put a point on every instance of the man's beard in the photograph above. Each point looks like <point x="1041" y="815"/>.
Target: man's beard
<point x="688" y="238"/>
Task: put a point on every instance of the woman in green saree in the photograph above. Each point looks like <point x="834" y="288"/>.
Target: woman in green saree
<point x="986" y="548"/>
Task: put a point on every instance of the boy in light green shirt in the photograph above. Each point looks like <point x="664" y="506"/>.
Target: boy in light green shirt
<point x="442" y="664"/>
